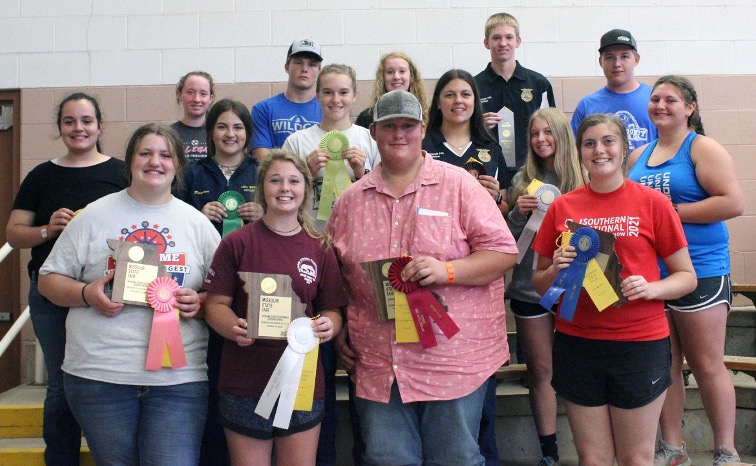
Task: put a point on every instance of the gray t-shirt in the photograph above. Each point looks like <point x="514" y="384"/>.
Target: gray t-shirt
<point x="114" y="349"/>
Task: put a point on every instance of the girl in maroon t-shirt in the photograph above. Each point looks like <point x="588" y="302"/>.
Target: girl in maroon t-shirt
<point x="282" y="242"/>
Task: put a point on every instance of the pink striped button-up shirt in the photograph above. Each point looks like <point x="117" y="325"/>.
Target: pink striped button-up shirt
<point x="368" y="223"/>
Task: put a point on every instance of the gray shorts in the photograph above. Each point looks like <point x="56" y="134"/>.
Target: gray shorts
<point x="238" y="415"/>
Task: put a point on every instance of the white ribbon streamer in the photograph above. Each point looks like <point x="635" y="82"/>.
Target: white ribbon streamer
<point x="546" y="193"/>
<point x="285" y="378"/>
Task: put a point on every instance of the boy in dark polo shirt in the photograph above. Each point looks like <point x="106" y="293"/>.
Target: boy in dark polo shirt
<point x="506" y="83"/>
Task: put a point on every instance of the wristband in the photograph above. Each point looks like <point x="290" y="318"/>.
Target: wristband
<point x="44" y="232"/>
<point x="449" y="273"/>
<point x="82" y="295"/>
<point x="499" y="198"/>
<point x="202" y="301"/>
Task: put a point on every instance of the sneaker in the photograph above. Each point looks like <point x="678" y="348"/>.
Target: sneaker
<point x="548" y="461"/>
<point x="724" y="455"/>
<point x="670" y="455"/>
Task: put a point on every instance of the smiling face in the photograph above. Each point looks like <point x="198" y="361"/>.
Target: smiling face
<point x="602" y="152"/>
<point x="396" y="74"/>
<point x="667" y="107"/>
<point x="152" y="166"/>
<point x="456" y="101"/>
<point x="618" y="63"/>
<point x="79" y="128"/>
<point x="399" y="141"/>
<point x="284" y="188"/>
<point x="195" y="96"/>
<point x="502" y="42"/>
<point x="229" y="135"/>
<point x="541" y="139"/>
<point x="303" y="71"/>
<point x="336" y="96"/>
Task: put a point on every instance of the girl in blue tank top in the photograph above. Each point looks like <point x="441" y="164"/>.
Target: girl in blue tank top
<point x="699" y="177"/>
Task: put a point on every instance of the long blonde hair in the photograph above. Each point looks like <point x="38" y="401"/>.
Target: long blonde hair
<point x="303" y="214"/>
<point x="570" y="173"/>
<point x="416" y="88"/>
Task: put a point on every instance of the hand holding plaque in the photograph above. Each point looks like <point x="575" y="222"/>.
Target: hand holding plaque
<point x="272" y="305"/>
<point x="137" y="265"/>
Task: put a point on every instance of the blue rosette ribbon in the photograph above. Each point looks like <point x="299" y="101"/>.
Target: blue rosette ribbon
<point x="570" y="280"/>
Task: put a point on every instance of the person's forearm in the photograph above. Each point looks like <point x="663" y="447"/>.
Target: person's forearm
<point x="482" y="267"/>
<point x="62" y="290"/>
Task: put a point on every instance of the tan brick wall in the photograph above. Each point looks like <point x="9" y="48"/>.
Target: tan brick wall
<point x="728" y="109"/>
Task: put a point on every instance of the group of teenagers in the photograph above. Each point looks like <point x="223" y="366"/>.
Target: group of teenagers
<point x="634" y="162"/>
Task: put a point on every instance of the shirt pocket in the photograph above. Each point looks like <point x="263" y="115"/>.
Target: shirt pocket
<point x="432" y="236"/>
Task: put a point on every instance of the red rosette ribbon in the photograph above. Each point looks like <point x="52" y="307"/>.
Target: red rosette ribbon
<point x="165" y="325"/>
<point x="423" y="305"/>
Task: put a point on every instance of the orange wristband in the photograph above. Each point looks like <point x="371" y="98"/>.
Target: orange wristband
<point x="449" y="273"/>
<point x="202" y="301"/>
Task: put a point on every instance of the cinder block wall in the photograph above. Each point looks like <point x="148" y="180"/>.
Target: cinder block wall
<point x="729" y="116"/>
<point x="129" y="54"/>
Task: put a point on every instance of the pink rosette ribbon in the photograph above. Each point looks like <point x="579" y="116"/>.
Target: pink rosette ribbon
<point x="423" y="306"/>
<point x="165" y="325"/>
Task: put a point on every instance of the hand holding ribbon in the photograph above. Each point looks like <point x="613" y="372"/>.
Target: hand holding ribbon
<point x="544" y="194"/>
<point x="423" y="305"/>
<point x="356" y="159"/>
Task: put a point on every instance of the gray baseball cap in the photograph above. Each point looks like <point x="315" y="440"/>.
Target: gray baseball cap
<point x="305" y="47"/>
<point x="397" y="104"/>
<point x="617" y="37"/>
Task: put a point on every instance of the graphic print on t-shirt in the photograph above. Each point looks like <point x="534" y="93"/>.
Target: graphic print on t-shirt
<point x="658" y="181"/>
<point x="636" y="135"/>
<point x="308" y="269"/>
<point x="621" y="225"/>
<point x="175" y="262"/>
<point x="287" y="126"/>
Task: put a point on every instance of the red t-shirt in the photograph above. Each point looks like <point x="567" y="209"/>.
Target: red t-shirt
<point x="646" y="227"/>
<point x="315" y="279"/>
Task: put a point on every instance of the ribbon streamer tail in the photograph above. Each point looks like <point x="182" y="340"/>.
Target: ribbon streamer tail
<point x="289" y="395"/>
<point x="268" y="399"/>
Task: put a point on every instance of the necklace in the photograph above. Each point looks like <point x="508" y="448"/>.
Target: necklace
<point x="228" y="169"/>
<point x="459" y="148"/>
<point x="282" y="231"/>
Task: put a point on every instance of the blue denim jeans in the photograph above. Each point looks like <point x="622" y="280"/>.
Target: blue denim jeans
<point x="60" y="430"/>
<point x="139" y="425"/>
<point x="487" y="436"/>
<point x="422" y="433"/>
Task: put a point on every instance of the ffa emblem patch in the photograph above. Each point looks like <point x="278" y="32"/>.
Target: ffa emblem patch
<point x="483" y="155"/>
<point x="527" y="95"/>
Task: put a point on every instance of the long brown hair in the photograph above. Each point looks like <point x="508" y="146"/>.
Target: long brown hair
<point x="598" y="119"/>
<point x="417" y="85"/>
<point x="303" y="214"/>
<point x="689" y="95"/>
<point x="570" y="173"/>
<point x="175" y="144"/>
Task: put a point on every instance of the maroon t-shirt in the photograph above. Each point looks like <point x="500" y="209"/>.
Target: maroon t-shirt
<point x="315" y="278"/>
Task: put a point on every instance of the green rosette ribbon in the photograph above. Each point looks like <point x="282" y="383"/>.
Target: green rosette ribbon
<point x="336" y="178"/>
<point x="231" y="201"/>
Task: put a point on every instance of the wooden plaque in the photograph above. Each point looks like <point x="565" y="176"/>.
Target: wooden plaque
<point x="271" y="305"/>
